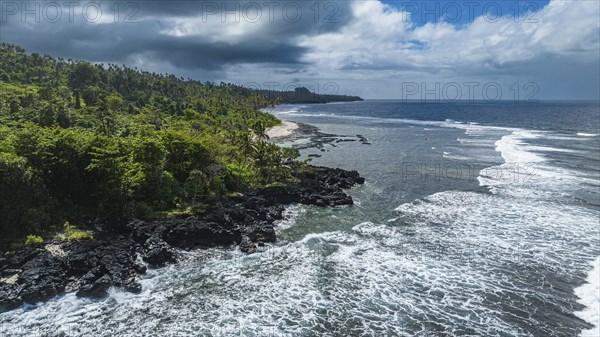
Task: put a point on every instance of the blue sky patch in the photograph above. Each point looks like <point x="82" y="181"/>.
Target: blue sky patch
<point x="465" y="11"/>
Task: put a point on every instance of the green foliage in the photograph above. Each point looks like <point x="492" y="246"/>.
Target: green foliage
<point x="290" y="153"/>
<point x="81" y="141"/>
<point x="71" y="233"/>
<point x="24" y="202"/>
<point x="142" y="209"/>
<point x="33" y="240"/>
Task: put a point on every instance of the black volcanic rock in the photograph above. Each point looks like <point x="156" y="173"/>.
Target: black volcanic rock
<point x="264" y="232"/>
<point x="37" y="276"/>
<point x="42" y="278"/>
<point x="247" y="246"/>
<point x="116" y="257"/>
<point x="133" y="286"/>
<point x="157" y="252"/>
<point x="196" y="233"/>
<point x="91" y="267"/>
<point x="95" y="288"/>
<point x="9" y="297"/>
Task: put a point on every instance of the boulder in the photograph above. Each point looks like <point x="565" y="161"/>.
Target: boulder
<point x="157" y="252"/>
<point x="97" y="288"/>
<point x="9" y="297"/>
<point x="42" y="277"/>
<point x="196" y="233"/>
<point x="264" y="232"/>
<point x="133" y="286"/>
<point x="247" y="246"/>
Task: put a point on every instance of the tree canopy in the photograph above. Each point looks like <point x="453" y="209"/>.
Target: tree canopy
<point x="80" y="141"/>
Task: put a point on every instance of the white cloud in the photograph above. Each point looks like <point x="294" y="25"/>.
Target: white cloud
<point x="376" y="32"/>
<point x="213" y="28"/>
<point x="380" y="36"/>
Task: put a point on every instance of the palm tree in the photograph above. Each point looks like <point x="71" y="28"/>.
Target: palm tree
<point x="244" y="139"/>
<point x="260" y="131"/>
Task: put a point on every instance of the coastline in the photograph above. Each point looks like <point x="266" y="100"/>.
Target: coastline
<point x="305" y="136"/>
<point x="122" y="251"/>
<point x="265" y="271"/>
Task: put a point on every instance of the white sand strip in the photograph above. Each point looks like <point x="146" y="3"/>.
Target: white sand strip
<point x="283" y="130"/>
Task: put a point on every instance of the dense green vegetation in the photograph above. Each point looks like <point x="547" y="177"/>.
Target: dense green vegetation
<point x="81" y="141"/>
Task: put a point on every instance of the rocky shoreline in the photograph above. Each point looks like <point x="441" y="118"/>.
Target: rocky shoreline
<point x="121" y="252"/>
<point x="311" y="136"/>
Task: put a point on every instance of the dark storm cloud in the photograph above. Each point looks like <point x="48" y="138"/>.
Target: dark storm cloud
<point x="109" y="43"/>
<point x="288" y="16"/>
<point x="139" y="31"/>
<point x="289" y="72"/>
<point x="190" y="54"/>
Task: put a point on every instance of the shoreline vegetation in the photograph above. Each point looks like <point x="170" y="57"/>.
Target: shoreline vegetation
<point x="102" y="165"/>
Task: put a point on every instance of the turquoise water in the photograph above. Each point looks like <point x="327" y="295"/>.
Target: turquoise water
<point x="475" y="220"/>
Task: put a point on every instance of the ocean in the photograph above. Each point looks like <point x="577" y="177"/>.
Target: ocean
<point x="476" y="219"/>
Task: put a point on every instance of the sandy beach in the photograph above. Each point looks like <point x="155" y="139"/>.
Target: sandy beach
<point x="283" y="130"/>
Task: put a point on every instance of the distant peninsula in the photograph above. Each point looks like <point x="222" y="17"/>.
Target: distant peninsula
<point x="302" y="95"/>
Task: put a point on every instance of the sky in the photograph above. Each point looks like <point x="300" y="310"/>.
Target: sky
<point x="449" y="50"/>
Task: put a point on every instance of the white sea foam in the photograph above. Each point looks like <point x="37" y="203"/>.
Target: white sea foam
<point x="448" y="155"/>
<point x="375" y="119"/>
<point x="514" y="150"/>
<point x="589" y="294"/>
<point x="525" y="186"/>
<point x="449" y="262"/>
<point x="526" y="172"/>
<point x="286" y="109"/>
<point x="290" y="215"/>
<point x="583" y="134"/>
<point x="551" y="149"/>
<point x="490" y="233"/>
